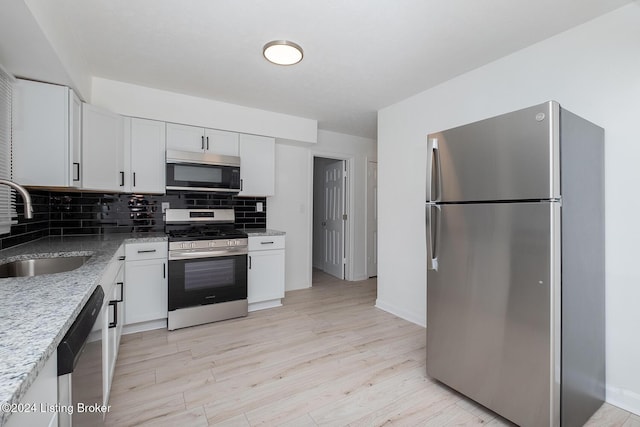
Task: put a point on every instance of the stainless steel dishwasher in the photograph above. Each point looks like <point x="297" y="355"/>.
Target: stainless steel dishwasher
<point x="80" y="368"/>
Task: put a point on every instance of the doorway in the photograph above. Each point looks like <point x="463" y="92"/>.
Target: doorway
<point x="372" y="219"/>
<point x="330" y="216"/>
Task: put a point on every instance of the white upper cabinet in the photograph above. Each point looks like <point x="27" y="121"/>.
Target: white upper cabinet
<point x="257" y="165"/>
<point x="201" y="140"/>
<point x="144" y="156"/>
<point x="102" y="150"/>
<point x="185" y="138"/>
<point x="221" y="142"/>
<point x="46" y="136"/>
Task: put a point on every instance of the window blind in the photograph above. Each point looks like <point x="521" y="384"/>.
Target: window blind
<point x="6" y="195"/>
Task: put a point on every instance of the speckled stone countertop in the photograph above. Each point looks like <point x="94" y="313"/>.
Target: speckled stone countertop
<point x="36" y="312"/>
<point x="264" y="232"/>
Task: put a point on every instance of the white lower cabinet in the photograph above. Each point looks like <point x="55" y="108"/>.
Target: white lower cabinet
<point x="111" y="319"/>
<point x="146" y="289"/>
<point x="266" y="272"/>
<point x="115" y="317"/>
<point x="35" y="407"/>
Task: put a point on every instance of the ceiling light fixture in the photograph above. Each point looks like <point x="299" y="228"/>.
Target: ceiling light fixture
<point x="282" y="52"/>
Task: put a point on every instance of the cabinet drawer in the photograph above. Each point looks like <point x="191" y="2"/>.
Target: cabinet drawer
<point x="264" y="243"/>
<point x="140" y="251"/>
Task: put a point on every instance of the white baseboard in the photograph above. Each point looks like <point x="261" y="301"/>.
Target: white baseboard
<point x="625" y="399"/>
<point x="254" y="306"/>
<point x="401" y="313"/>
<point x="144" y="326"/>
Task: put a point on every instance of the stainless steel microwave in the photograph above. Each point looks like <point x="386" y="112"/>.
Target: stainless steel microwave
<point x="202" y="172"/>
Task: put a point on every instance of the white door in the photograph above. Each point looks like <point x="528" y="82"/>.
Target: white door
<point x="333" y="222"/>
<point x="372" y="219"/>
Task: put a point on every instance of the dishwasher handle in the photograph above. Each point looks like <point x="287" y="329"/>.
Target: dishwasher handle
<point x="71" y="346"/>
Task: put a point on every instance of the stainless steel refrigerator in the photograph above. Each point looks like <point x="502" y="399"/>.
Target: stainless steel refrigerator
<point x="515" y="264"/>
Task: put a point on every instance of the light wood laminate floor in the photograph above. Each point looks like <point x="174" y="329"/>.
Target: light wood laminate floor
<point x="327" y="357"/>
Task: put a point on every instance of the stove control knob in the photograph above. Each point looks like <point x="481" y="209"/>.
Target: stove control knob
<point x="193" y="245"/>
<point x="229" y="242"/>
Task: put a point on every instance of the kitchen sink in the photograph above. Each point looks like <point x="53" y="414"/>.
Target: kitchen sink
<point x="37" y="266"/>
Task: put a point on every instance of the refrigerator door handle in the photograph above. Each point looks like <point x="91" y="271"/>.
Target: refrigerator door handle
<point x="433" y="226"/>
<point x="434" y="189"/>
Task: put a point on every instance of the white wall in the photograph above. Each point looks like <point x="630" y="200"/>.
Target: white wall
<point x="139" y="101"/>
<point x="594" y="71"/>
<point x="28" y="51"/>
<point x="291" y="210"/>
<point x="64" y="45"/>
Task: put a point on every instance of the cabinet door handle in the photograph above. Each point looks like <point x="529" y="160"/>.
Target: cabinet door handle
<point x="76" y="171"/>
<point x="146" y="251"/>
<point x="241" y="185"/>
<point x="202" y="145"/>
<point x="134" y="179"/>
<point x="207" y="143"/>
<point x="114" y="304"/>
<point x="164" y="270"/>
<point x="249" y="262"/>
<point x="121" y="178"/>
<point x="267" y="243"/>
<point x="122" y="258"/>
<point x="121" y="291"/>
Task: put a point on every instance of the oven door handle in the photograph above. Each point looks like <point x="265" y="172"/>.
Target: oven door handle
<point x="206" y="254"/>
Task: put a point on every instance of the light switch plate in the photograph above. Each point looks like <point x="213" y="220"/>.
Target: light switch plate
<point x="165" y="206"/>
<point x="259" y="207"/>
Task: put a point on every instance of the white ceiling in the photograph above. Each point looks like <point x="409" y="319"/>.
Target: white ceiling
<point x="360" y="55"/>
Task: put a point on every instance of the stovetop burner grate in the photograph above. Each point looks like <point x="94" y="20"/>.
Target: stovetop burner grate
<point x="201" y="224"/>
<point x="206" y="233"/>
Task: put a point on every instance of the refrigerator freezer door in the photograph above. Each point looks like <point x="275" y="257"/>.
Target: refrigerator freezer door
<point x="510" y="157"/>
<point x="493" y="307"/>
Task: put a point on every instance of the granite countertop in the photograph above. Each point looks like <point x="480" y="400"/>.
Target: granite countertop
<point x="37" y="312"/>
<point x="264" y="232"/>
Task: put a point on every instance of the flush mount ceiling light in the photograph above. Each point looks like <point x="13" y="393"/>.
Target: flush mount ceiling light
<point x="282" y="52"/>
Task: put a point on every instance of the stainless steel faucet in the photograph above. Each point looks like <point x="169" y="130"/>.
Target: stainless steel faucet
<point x="26" y="198"/>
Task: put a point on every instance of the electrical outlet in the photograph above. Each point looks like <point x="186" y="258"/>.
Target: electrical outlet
<point x="259" y="207"/>
<point x="165" y="206"/>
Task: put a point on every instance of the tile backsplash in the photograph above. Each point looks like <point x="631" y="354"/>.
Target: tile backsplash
<point x="69" y="213"/>
<point x="27" y="230"/>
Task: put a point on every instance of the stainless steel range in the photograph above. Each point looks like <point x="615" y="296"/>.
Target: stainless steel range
<point x="207" y="267"/>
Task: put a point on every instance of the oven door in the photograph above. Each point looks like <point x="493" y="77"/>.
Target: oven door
<point x="204" y="177"/>
<point x="201" y="281"/>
